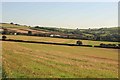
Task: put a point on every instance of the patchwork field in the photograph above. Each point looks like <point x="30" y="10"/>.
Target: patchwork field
<point x="54" y="61"/>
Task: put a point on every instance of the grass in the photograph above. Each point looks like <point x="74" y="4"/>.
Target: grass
<point x="23" y="60"/>
<point x="57" y="40"/>
<point x="6" y="25"/>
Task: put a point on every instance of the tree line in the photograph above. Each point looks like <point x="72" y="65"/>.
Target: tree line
<point x="101" y="34"/>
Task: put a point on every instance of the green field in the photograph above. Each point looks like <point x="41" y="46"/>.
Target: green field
<point x="6" y="25"/>
<point x="55" y="61"/>
<point x="57" y="40"/>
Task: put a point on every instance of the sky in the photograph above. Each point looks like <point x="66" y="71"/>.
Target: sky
<point x="62" y="14"/>
<point x="60" y="0"/>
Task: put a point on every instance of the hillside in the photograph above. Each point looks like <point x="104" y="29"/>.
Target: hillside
<point x="32" y="60"/>
<point x="17" y="28"/>
<point x="7" y="25"/>
<point x="101" y="34"/>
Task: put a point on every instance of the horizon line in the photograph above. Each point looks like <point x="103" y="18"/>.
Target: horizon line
<point x="58" y="26"/>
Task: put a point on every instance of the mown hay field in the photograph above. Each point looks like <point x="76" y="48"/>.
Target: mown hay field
<point x="23" y="60"/>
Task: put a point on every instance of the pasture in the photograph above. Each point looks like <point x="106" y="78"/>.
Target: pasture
<point x="6" y="25"/>
<point x="57" y="40"/>
<point x="29" y="60"/>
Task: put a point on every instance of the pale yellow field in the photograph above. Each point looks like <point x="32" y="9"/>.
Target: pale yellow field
<point x="57" y="40"/>
<point x="55" y="61"/>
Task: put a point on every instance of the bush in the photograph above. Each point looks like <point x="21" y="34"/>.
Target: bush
<point x="4" y="37"/>
<point x="79" y="42"/>
<point x="103" y="45"/>
<point x="108" y="45"/>
<point x="29" y="33"/>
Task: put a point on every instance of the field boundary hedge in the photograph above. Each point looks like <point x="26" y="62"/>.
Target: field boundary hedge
<point x="12" y="40"/>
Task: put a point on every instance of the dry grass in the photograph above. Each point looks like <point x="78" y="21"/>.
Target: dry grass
<point x="57" y="40"/>
<point x="45" y="61"/>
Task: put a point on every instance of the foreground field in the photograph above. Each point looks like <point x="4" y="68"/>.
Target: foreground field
<point x="54" y="61"/>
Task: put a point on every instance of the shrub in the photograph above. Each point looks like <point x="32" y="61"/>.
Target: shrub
<point x="79" y="42"/>
<point x="108" y="45"/>
<point x="103" y="45"/>
<point x="4" y="37"/>
<point x="29" y="32"/>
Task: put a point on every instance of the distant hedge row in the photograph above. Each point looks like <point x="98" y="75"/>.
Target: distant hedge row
<point x="78" y="43"/>
<point x="117" y="46"/>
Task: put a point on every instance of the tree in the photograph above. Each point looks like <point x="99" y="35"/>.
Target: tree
<point x="11" y="23"/>
<point x="5" y="31"/>
<point x="29" y="32"/>
<point x="119" y="45"/>
<point x="4" y="37"/>
<point x="79" y="42"/>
